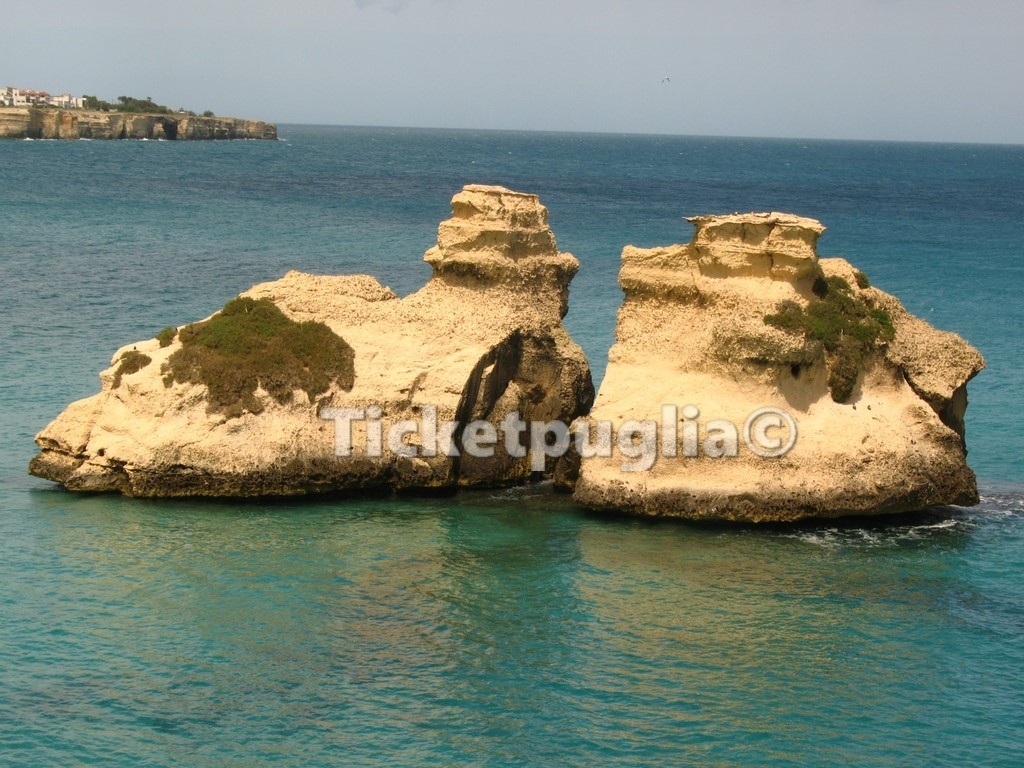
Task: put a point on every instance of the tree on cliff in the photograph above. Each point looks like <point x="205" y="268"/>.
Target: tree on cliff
<point x="146" y="105"/>
<point x="127" y="104"/>
<point x="92" y="102"/>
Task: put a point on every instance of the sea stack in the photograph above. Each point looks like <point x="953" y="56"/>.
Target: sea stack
<point x="761" y="383"/>
<point x="314" y="383"/>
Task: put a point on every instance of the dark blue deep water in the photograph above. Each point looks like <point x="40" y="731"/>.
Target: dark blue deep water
<point x="496" y="628"/>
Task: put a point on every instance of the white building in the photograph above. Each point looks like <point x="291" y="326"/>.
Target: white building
<point x="27" y="98"/>
<point x="21" y="97"/>
<point x="67" y="101"/>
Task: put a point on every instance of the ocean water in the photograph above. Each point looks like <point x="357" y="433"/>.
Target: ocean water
<point x="494" y="628"/>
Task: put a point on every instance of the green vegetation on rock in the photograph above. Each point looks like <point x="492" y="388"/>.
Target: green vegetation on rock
<point x="166" y="336"/>
<point x="128" y="104"/>
<point x="251" y="343"/>
<point x="133" y="105"/>
<point x="130" y="362"/>
<point x="844" y="323"/>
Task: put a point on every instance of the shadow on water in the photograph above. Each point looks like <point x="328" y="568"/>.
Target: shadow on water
<point x="533" y="498"/>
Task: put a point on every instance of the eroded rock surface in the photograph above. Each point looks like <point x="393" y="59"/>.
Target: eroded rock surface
<point x="747" y="317"/>
<point x="47" y="123"/>
<point x="481" y="340"/>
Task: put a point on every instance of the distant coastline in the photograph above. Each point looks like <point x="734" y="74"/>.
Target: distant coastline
<point x="32" y="122"/>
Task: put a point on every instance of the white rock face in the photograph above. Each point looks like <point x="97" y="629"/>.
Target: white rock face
<point x="482" y="339"/>
<point x="692" y="332"/>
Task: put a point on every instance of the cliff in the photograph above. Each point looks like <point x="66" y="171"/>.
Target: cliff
<point x="752" y="381"/>
<point x="46" y="123"/>
<point x="317" y="383"/>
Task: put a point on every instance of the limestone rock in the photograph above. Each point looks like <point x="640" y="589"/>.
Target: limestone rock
<point x="747" y="317"/>
<point x="47" y="123"/>
<point x="481" y="340"/>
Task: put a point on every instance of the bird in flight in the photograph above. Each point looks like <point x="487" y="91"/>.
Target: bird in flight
<point x="666" y="79"/>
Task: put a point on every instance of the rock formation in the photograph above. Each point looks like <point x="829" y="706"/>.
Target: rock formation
<point x="48" y="123"/>
<point x="746" y="317"/>
<point x="240" y="404"/>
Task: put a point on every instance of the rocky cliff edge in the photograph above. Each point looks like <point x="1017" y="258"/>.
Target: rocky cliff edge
<point x="47" y="123"/>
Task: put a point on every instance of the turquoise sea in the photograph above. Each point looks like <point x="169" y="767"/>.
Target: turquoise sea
<point x="508" y="627"/>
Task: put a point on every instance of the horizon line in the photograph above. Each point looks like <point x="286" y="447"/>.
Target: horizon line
<point x="594" y="132"/>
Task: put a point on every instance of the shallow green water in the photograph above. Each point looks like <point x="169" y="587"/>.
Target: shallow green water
<point x="504" y="629"/>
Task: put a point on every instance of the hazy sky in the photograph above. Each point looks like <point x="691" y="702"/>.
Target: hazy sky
<point x="881" y="69"/>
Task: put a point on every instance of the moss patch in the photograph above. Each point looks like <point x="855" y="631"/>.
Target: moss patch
<point x="251" y="343"/>
<point x="130" y="362"/>
<point x="846" y="326"/>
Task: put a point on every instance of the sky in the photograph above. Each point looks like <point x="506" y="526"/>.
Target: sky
<point x="919" y="70"/>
